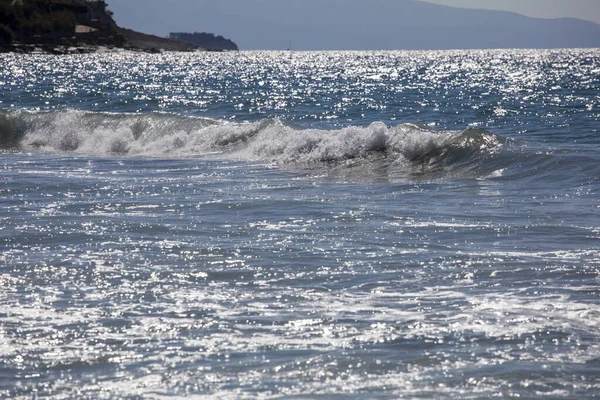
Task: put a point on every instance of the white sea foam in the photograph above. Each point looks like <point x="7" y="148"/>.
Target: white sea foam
<point x="269" y="140"/>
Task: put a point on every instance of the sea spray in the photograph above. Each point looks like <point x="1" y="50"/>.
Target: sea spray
<point x="268" y="140"/>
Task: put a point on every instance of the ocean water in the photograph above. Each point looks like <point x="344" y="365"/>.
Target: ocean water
<point x="270" y="225"/>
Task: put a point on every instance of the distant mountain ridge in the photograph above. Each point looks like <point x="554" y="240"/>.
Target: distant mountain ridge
<point x="418" y="25"/>
<point x="483" y="29"/>
<point x="359" y="24"/>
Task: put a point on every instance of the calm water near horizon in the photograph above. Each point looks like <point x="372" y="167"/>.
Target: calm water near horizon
<point x="269" y="225"/>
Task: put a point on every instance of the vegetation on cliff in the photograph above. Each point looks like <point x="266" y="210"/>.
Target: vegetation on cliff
<point x="26" y="18"/>
<point x="54" y="22"/>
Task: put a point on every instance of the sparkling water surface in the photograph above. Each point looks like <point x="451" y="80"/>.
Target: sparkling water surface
<point x="300" y="225"/>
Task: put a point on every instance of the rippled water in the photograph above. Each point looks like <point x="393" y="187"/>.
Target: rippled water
<point x="280" y="224"/>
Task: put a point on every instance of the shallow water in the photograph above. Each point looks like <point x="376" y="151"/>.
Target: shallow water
<point x="276" y="224"/>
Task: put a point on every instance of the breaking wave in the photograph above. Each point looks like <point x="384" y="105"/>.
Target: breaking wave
<point x="268" y="140"/>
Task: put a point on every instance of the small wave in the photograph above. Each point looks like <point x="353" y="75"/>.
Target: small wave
<point x="407" y="146"/>
<point x="268" y="140"/>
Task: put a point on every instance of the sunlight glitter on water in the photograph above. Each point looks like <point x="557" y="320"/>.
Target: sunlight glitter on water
<point x="276" y="224"/>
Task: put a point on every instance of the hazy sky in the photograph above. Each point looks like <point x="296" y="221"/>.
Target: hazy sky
<point x="583" y="9"/>
<point x="355" y="24"/>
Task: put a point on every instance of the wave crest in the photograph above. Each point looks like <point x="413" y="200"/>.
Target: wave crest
<point x="268" y="140"/>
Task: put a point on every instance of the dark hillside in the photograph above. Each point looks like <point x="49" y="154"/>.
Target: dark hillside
<point x="207" y="41"/>
<point x="51" y="24"/>
<point x="141" y="41"/>
<point x="71" y="26"/>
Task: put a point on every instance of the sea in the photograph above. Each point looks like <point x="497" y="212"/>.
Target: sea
<point x="300" y="225"/>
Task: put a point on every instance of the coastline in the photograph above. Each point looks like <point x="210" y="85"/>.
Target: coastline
<point x="75" y="27"/>
<point x="121" y="39"/>
<point x="137" y="41"/>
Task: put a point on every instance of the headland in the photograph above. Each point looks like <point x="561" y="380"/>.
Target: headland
<point x="76" y="26"/>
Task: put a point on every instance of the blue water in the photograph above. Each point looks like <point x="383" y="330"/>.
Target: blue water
<point x="300" y="225"/>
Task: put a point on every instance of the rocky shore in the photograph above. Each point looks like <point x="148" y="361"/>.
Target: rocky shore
<point x="126" y="40"/>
